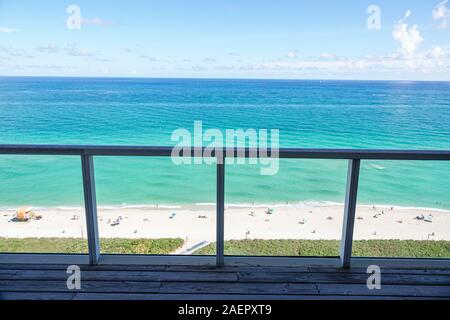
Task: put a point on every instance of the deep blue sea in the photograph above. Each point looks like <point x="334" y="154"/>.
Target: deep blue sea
<point x="319" y="114"/>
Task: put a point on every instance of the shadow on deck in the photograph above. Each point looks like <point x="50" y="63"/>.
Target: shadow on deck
<point x="40" y="281"/>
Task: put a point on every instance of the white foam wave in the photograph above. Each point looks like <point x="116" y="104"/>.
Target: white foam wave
<point x="299" y="204"/>
<point x="377" y="166"/>
<point x="68" y="208"/>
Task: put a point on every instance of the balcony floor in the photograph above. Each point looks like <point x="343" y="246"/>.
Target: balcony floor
<point x="39" y="281"/>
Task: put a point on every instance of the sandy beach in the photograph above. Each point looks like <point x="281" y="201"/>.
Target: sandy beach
<point x="196" y="224"/>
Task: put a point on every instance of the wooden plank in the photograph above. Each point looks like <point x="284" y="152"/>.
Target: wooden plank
<point x="236" y="288"/>
<point x="82" y="266"/>
<point x="86" y="286"/>
<point x="230" y="261"/>
<point x="386" y="290"/>
<point x="343" y="278"/>
<point x="206" y="269"/>
<point x="185" y="297"/>
<point x="295" y="277"/>
<point x="156" y="287"/>
<point x="119" y="275"/>
<point x="199" y="276"/>
<point x="231" y="297"/>
<point x="383" y="270"/>
<point x="225" y="269"/>
<point x="37" y="296"/>
<point x="282" y="277"/>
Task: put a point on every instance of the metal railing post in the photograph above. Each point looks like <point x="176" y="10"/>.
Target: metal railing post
<point x="349" y="212"/>
<point x="90" y="204"/>
<point x="220" y="210"/>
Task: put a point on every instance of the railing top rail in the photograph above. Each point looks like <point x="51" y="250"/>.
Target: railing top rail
<point x="164" y="151"/>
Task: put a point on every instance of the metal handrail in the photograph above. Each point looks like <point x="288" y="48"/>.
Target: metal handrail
<point x="289" y="153"/>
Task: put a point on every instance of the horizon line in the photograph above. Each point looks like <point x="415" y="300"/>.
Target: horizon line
<point x="224" y="78"/>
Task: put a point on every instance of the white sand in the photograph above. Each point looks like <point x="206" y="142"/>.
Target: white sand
<point x="399" y="223"/>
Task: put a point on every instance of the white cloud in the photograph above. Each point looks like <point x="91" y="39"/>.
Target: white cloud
<point x="4" y="49"/>
<point x="327" y="56"/>
<point x="7" y="30"/>
<point x="198" y="68"/>
<point x="436" y="53"/>
<point x="434" y="60"/>
<point x="97" y="22"/>
<point x="74" y="51"/>
<point x="47" y="66"/>
<point x="442" y="13"/>
<point x="49" y="48"/>
<point x="407" y="15"/>
<point x="292" y="54"/>
<point x="409" y="38"/>
<point x="149" y="58"/>
<point x="103" y="60"/>
<point x="309" y="65"/>
<point x="15" y="53"/>
<point x="436" y="56"/>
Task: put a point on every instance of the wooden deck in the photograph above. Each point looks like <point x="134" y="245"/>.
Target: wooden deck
<point x="232" y="283"/>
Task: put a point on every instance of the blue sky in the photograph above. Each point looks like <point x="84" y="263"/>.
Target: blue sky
<point x="227" y="38"/>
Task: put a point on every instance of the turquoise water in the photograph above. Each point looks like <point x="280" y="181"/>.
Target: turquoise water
<point x="320" y="114"/>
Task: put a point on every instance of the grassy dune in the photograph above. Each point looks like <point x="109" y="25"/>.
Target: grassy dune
<point x="372" y="248"/>
<point x="77" y="245"/>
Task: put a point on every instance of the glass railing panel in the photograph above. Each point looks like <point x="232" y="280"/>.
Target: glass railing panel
<point x="41" y="204"/>
<point x="149" y="205"/>
<point x="403" y="210"/>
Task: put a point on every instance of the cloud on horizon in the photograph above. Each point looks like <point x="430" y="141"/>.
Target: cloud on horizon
<point x="48" y="48"/>
<point x="292" y="54"/>
<point x="441" y="13"/>
<point x="74" y="51"/>
<point x="7" y="30"/>
<point x="407" y="57"/>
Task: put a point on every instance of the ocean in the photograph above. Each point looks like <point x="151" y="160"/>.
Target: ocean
<point x="308" y="114"/>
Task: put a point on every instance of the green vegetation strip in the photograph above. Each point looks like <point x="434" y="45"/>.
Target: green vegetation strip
<point x="77" y="245"/>
<point x="367" y="248"/>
